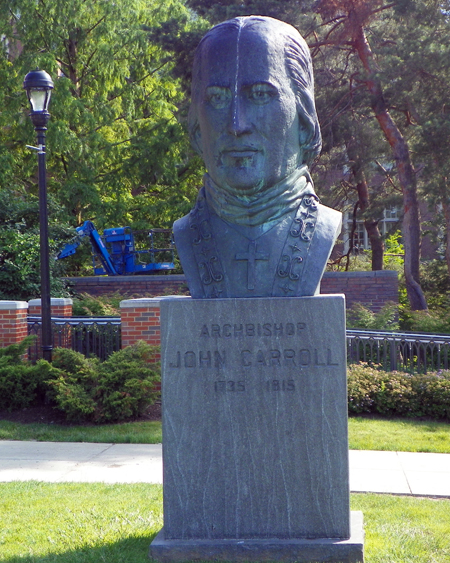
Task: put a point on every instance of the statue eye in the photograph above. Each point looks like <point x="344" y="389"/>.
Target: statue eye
<point x="218" y="97"/>
<point x="261" y="94"/>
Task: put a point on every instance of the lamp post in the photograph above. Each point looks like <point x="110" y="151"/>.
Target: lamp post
<point x="38" y="86"/>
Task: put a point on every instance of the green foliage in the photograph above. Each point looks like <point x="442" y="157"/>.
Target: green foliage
<point x="117" y="389"/>
<point x="14" y="353"/>
<point x="20" y="250"/>
<point x="107" y="305"/>
<point x="21" y="383"/>
<point x="436" y="284"/>
<point x="19" y="267"/>
<point x="361" y="317"/>
<point x="116" y="152"/>
<point x="398" y="394"/>
<point x="392" y="257"/>
<point x="393" y="252"/>
<point x="431" y="321"/>
<point x="83" y="388"/>
<point x="215" y="12"/>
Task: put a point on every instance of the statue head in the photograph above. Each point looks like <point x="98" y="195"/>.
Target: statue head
<point x="253" y="116"/>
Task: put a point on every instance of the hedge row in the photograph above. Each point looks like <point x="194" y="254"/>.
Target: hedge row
<point x="394" y="393"/>
<point x="85" y="389"/>
<point x="123" y="386"/>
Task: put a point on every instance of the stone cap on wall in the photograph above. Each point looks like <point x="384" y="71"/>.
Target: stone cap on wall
<point x="363" y="274"/>
<point x="149" y="301"/>
<point x="55" y="302"/>
<point x="13" y="305"/>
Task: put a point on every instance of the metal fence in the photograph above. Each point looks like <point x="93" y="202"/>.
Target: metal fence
<point x="91" y="336"/>
<point x="405" y="351"/>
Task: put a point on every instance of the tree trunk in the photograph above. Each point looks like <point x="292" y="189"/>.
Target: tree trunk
<point x="362" y="188"/>
<point x="407" y="179"/>
<point x="446" y="209"/>
<point x="376" y="243"/>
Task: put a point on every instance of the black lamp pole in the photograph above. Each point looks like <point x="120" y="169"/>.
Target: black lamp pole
<point x="38" y="85"/>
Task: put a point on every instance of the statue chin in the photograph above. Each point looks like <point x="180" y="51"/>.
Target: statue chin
<point x="242" y="175"/>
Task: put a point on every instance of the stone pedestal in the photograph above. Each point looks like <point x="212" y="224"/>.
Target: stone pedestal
<point x="255" y="431"/>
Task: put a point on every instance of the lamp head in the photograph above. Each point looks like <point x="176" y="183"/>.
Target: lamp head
<point x="38" y="85"/>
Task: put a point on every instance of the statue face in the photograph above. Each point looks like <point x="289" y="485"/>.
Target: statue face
<point x="249" y="132"/>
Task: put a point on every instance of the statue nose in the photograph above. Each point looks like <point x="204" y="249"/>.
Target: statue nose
<point x="238" y="122"/>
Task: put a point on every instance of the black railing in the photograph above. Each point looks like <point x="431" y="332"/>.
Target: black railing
<point x="405" y="351"/>
<point x="91" y="336"/>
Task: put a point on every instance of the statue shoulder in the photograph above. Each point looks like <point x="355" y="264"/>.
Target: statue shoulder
<point x="327" y="230"/>
<point x="182" y="234"/>
<point x="329" y="221"/>
<point x="181" y="225"/>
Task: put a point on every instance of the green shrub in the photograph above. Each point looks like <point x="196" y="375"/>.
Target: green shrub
<point x="21" y="383"/>
<point x="371" y="390"/>
<point x="117" y="389"/>
<point x="108" y="305"/>
<point x="73" y="383"/>
<point x="363" y="318"/>
<point x="435" y="282"/>
<point x="435" y="321"/>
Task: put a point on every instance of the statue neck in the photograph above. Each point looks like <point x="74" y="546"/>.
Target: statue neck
<point x="267" y="207"/>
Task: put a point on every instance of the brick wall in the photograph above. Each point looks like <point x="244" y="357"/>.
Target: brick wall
<point x="13" y="322"/>
<point x="60" y="307"/>
<point x="130" y="286"/>
<point x="372" y="289"/>
<point x="140" y="320"/>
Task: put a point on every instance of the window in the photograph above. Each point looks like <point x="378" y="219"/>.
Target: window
<point x="360" y="239"/>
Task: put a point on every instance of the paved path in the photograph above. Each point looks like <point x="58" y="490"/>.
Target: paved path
<point x="379" y="472"/>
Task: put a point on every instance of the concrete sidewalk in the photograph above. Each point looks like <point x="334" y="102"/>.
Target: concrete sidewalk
<point x="370" y="471"/>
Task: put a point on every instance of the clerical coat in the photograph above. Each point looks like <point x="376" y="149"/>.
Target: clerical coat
<point x="285" y="256"/>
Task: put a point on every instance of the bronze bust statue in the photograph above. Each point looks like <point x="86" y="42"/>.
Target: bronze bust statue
<point x="257" y="229"/>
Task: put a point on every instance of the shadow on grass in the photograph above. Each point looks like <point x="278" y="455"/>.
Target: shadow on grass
<point x="129" y="550"/>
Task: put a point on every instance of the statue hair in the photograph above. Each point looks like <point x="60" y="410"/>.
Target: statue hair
<point x="299" y="69"/>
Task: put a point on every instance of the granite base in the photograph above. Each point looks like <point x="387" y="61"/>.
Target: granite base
<point x="240" y="550"/>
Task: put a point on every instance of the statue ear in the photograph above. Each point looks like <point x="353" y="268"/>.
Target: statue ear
<point x="196" y="139"/>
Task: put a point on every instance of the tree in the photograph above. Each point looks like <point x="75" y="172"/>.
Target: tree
<point x="419" y="78"/>
<point x="116" y="151"/>
<point x="20" y="250"/>
<point x="344" y="24"/>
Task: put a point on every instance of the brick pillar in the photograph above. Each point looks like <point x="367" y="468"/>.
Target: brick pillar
<point x="60" y="307"/>
<point x="140" y="321"/>
<point x="13" y="322"/>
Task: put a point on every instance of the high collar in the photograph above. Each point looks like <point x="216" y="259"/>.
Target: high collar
<point x="261" y="208"/>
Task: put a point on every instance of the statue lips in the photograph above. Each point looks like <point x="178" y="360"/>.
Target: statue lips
<point x="244" y="154"/>
<point x="242" y="158"/>
<point x="241" y="153"/>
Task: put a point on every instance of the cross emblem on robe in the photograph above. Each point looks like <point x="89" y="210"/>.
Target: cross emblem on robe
<point x="252" y="255"/>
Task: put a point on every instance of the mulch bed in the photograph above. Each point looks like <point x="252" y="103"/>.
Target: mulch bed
<point x="50" y="415"/>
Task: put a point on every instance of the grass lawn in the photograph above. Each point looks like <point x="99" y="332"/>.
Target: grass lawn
<point x="401" y="435"/>
<point x="148" y="432"/>
<point x="91" y="523"/>
<point x="364" y="434"/>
